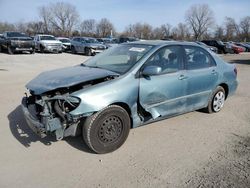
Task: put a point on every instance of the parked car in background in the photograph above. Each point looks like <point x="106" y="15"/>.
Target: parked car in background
<point x="47" y="43"/>
<point x="125" y="87"/>
<point x="16" y="42"/>
<point x="66" y="43"/>
<point x="87" y="45"/>
<point x="222" y="48"/>
<point x="212" y="48"/>
<point x="236" y="49"/>
<point x="246" y="46"/>
<point x="109" y="42"/>
<point x="126" y="39"/>
<point x="1" y="41"/>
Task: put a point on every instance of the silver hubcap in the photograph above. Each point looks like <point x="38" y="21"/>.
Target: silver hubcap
<point x="218" y="102"/>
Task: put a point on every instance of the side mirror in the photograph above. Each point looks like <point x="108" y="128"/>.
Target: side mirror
<point x="151" y="70"/>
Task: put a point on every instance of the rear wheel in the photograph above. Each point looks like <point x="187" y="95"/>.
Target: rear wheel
<point x="106" y="130"/>
<point x="88" y="52"/>
<point x="217" y="101"/>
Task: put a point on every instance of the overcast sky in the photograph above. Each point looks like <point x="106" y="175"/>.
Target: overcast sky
<point x="124" y="12"/>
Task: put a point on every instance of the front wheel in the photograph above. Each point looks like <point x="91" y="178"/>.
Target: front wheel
<point x="106" y="130"/>
<point x="10" y="51"/>
<point x="217" y="101"/>
<point x="88" y="52"/>
<point x="73" y="50"/>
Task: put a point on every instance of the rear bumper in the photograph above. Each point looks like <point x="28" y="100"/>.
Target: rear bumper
<point x="232" y="88"/>
<point x="32" y="121"/>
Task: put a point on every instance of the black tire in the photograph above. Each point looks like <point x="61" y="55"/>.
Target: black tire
<point x="10" y="51"/>
<point x="0" y="48"/>
<point x="106" y="130"/>
<point x="33" y="51"/>
<point x="211" y="107"/>
<point x="41" y="49"/>
<point x="73" y="50"/>
<point x="88" y="52"/>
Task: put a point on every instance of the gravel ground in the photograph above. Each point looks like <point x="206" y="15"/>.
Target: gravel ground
<point x="192" y="150"/>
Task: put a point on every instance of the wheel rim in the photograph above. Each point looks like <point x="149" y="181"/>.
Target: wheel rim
<point x="218" y="101"/>
<point x="110" y="130"/>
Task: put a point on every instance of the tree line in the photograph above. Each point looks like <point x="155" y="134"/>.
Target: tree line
<point x="62" y="19"/>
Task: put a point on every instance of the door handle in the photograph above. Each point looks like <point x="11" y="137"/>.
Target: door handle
<point x="182" y="77"/>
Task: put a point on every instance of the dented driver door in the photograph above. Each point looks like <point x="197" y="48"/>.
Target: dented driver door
<point x="164" y="94"/>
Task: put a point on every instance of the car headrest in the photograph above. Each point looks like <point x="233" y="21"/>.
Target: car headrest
<point x="172" y="56"/>
<point x="199" y="58"/>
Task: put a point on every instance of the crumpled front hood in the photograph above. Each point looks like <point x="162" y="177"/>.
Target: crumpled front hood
<point x="66" y="77"/>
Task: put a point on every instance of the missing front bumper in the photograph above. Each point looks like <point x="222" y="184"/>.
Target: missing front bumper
<point x="32" y="121"/>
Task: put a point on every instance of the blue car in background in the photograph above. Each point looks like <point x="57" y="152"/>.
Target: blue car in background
<point x="125" y="87"/>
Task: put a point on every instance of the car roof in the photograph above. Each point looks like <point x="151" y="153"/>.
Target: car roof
<point x="162" y="42"/>
<point x="62" y="38"/>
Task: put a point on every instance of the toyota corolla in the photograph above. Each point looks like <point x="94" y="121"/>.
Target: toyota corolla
<point x="125" y="87"/>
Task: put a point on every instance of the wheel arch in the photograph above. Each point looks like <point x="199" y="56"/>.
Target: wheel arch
<point x="127" y="108"/>
<point x="225" y="87"/>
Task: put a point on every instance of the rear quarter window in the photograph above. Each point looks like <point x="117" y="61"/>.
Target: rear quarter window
<point x="197" y="58"/>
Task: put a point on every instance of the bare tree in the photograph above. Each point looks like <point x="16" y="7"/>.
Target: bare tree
<point x="129" y="31"/>
<point x="200" y="18"/>
<point x="138" y="30"/>
<point x="21" y="27"/>
<point x="88" y="27"/>
<point x="61" y="17"/>
<point x="4" y="26"/>
<point x="219" y="33"/>
<point x="162" y="32"/>
<point x="105" y="28"/>
<point x="147" y="31"/>
<point x="35" y="27"/>
<point x="45" y="14"/>
<point x="181" y="32"/>
<point x="232" y="29"/>
<point x="245" y="27"/>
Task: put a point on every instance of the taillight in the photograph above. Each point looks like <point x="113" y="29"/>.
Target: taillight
<point x="235" y="71"/>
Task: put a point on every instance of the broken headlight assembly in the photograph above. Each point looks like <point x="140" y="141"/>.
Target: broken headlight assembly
<point x="68" y="103"/>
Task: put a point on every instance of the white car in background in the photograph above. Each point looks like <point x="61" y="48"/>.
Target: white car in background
<point x="66" y="43"/>
<point x="47" y="43"/>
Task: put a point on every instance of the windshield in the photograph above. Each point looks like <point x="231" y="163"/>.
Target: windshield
<point x="47" y="38"/>
<point x="90" y="40"/>
<point x="220" y="42"/>
<point x="120" y="58"/>
<point x="16" y="34"/>
<point x="65" y="40"/>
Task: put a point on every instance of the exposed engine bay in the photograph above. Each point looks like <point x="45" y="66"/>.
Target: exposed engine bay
<point x="52" y="109"/>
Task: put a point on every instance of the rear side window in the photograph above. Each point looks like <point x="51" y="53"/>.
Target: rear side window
<point x="197" y="58"/>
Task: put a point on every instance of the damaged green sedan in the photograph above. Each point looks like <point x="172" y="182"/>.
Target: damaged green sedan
<point x="124" y="87"/>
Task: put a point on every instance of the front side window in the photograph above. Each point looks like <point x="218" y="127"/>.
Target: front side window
<point x="197" y="58"/>
<point x="168" y="58"/>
